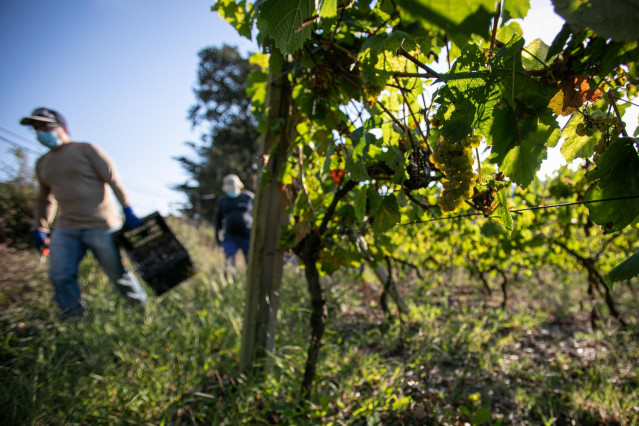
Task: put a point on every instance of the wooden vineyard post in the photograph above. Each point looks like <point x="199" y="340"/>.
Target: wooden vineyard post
<point x="265" y="254"/>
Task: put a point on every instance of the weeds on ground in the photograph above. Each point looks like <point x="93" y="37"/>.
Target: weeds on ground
<point x="454" y="358"/>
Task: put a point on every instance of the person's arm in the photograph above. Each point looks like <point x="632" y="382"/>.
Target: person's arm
<point x="44" y="207"/>
<point x="107" y="172"/>
<point x="44" y="210"/>
<point x="248" y="216"/>
<point x="218" y="219"/>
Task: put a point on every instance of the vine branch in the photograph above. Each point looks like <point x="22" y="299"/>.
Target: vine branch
<point x="300" y="162"/>
<point x="412" y="114"/>
<point x="419" y="203"/>
<point x="401" y="51"/>
<point x="495" y="24"/>
<point x="339" y="194"/>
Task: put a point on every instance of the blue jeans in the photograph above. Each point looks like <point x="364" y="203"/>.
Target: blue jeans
<point x="230" y="246"/>
<point x="68" y="247"/>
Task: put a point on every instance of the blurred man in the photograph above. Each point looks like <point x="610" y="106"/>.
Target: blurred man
<point x="234" y="216"/>
<point x="74" y="176"/>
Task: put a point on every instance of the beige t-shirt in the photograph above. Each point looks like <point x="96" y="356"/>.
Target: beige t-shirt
<point x="76" y="176"/>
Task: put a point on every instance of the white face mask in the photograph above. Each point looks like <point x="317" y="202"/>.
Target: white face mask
<point x="48" y="139"/>
<point x="231" y="189"/>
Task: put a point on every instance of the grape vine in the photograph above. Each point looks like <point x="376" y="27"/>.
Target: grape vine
<point x="381" y="138"/>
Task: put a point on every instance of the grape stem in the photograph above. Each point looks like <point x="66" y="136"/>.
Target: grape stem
<point x="480" y="179"/>
<point x="611" y="97"/>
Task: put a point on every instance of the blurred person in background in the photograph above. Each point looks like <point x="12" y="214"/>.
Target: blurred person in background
<point x="233" y="220"/>
<point x="73" y="179"/>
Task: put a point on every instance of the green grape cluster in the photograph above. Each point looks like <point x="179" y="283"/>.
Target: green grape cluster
<point x="599" y="123"/>
<point x="609" y="127"/>
<point x="455" y="161"/>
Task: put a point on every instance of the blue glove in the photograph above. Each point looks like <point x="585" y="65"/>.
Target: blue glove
<point x="130" y="219"/>
<point x="40" y="240"/>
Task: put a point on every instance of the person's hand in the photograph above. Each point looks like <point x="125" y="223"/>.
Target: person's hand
<point x="130" y="219"/>
<point x="218" y="239"/>
<point x="40" y="240"/>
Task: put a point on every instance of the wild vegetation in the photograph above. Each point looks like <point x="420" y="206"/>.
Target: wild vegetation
<point x="456" y="356"/>
<point x="506" y="299"/>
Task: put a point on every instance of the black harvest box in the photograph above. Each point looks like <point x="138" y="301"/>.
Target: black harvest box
<point x="156" y="253"/>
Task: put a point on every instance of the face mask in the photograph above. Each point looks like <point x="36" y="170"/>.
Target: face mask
<point x="233" y="194"/>
<point x="48" y="139"/>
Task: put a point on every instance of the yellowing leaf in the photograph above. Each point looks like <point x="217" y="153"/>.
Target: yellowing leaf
<point x="574" y="92"/>
<point x="259" y="59"/>
<point x="556" y="104"/>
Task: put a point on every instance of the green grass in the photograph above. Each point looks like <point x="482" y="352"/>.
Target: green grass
<point x="455" y="358"/>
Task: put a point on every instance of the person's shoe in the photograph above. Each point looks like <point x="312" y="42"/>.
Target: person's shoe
<point x="77" y="313"/>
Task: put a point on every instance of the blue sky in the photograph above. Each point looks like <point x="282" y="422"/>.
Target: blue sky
<point x="120" y="71"/>
<point x="122" y="74"/>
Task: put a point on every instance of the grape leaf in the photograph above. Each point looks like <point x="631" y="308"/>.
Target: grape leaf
<point x="507" y="32"/>
<point x="459" y="19"/>
<point x="511" y="126"/>
<point x="517" y="133"/>
<point x="328" y="9"/>
<point x="360" y="204"/>
<point x="504" y="132"/>
<point x="508" y="59"/>
<point x="236" y="13"/>
<point x="491" y="229"/>
<point x="534" y="55"/>
<point x="523" y="161"/>
<point x="378" y="58"/>
<point x="626" y="270"/>
<point x="504" y="211"/>
<point x="357" y="169"/>
<point x="388" y="213"/>
<point x="616" y="175"/>
<point x="472" y="58"/>
<point x="507" y="74"/>
<point x="466" y="115"/>
<point x="515" y="9"/>
<point x="283" y="21"/>
<point x="374" y="199"/>
<point x="469" y="95"/>
<point x="356" y="162"/>
<point x="256" y="86"/>
<point x="259" y="59"/>
<point x="615" y="19"/>
<point x="575" y="146"/>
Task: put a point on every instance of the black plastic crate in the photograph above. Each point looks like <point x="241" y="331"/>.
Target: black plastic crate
<point x="156" y="253"/>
